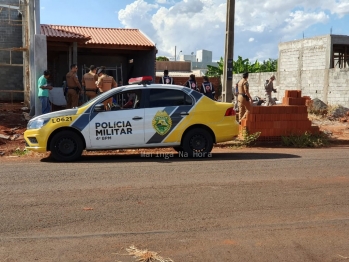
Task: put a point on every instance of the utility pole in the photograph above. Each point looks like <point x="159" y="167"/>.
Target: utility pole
<point x="175" y="53"/>
<point x="227" y="93"/>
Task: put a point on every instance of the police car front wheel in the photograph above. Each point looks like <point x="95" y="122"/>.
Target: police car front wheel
<point x="197" y="142"/>
<point x="66" y="146"/>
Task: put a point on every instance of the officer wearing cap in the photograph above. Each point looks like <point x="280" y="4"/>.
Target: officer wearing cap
<point x="244" y="97"/>
<point x="89" y="83"/>
<point x="166" y="79"/>
<point x="269" y="87"/>
<point x="74" y="87"/>
<point x="105" y="83"/>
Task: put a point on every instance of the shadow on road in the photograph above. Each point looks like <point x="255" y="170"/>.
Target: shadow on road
<point x="175" y="157"/>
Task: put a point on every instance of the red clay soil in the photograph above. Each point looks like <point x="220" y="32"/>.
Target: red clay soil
<point x="12" y="124"/>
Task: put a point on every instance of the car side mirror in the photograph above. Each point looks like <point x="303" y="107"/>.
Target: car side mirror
<point x="99" y="108"/>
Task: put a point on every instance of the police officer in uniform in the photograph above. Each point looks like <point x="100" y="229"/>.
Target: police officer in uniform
<point x="236" y="95"/>
<point x="105" y="83"/>
<point x="244" y="97"/>
<point x="192" y="84"/>
<point x="207" y="88"/>
<point x="74" y="87"/>
<point x="89" y="83"/>
<point x="166" y="79"/>
<point x="269" y="87"/>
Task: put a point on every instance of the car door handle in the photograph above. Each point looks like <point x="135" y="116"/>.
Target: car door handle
<point x="137" y="118"/>
<point x="184" y="113"/>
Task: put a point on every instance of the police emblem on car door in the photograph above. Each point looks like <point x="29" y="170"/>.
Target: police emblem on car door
<point x="162" y="122"/>
<point x="121" y="123"/>
<point x="167" y="109"/>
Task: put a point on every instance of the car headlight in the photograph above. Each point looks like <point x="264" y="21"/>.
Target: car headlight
<point x="37" y="123"/>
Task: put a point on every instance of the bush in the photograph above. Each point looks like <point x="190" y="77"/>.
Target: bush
<point x="305" y="140"/>
<point x="248" y="139"/>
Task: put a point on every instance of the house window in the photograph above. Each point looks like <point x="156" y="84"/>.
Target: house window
<point x="340" y="56"/>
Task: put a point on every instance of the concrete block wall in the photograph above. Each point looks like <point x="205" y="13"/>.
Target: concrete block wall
<point x="11" y="77"/>
<point x="305" y="54"/>
<point x="256" y="82"/>
<point x="338" y="89"/>
<point x="305" y="65"/>
<point x="314" y="58"/>
<point x="288" y="60"/>
<point x="312" y="83"/>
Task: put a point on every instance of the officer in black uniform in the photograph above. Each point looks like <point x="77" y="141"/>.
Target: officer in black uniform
<point x="207" y="88"/>
<point x="166" y="79"/>
<point x="192" y="84"/>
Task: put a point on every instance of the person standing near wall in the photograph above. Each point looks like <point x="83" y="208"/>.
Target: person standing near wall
<point x="244" y="97"/>
<point x="89" y="83"/>
<point x="236" y="95"/>
<point x="269" y="87"/>
<point x="74" y="87"/>
<point x="43" y="94"/>
<point x="207" y="88"/>
<point x="192" y="84"/>
<point x="166" y="79"/>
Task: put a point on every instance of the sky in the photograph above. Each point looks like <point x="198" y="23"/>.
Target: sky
<point x="192" y="25"/>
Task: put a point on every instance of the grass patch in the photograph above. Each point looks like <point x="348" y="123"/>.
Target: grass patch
<point x="305" y="140"/>
<point x="247" y="139"/>
<point x="19" y="152"/>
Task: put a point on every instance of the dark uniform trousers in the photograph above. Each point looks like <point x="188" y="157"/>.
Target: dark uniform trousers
<point x="72" y="98"/>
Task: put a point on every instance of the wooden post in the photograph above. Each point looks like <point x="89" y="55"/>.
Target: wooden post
<point x="227" y="93"/>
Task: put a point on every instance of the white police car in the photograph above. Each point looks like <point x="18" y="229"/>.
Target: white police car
<point x="140" y="115"/>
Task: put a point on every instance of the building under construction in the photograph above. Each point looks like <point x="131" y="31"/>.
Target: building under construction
<point x="27" y="48"/>
<point x="13" y="51"/>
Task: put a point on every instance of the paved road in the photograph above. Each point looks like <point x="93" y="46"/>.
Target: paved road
<point x="241" y="205"/>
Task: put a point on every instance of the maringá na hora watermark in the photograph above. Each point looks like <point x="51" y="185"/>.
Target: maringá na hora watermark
<point x="172" y="155"/>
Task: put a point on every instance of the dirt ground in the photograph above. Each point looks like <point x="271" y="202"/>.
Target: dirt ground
<point x="13" y="124"/>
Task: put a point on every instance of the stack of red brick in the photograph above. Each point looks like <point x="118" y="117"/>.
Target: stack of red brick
<point x="290" y="118"/>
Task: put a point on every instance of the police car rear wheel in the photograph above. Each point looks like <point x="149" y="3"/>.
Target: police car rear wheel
<point x="66" y="146"/>
<point x="197" y="143"/>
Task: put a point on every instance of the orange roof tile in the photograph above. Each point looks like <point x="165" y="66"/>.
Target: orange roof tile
<point x="50" y="31"/>
<point x="97" y="35"/>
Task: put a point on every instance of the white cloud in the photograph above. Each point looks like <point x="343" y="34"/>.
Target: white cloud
<point x="341" y="9"/>
<point x="192" y="25"/>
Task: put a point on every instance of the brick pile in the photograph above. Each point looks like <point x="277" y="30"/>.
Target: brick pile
<point x="290" y="118"/>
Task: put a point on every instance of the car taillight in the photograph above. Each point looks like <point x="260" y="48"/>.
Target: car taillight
<point x="230" y="112"/>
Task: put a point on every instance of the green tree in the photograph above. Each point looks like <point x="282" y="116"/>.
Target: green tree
<point x="241" y="65"/>
<point x="269" y="65"/>
<point x="254" y="68"/>
<point x="162" y="58"/>
<point x="216" y="71"/>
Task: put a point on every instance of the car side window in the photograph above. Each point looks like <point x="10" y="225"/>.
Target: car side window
<point x="125" y="100"/>
<point x="168" y="97"/>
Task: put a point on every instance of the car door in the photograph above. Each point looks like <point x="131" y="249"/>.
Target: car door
<point x="121" y="125"/>
<point x="167" y="114"/>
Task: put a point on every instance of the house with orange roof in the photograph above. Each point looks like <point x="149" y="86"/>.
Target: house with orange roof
<point x="125" y="53"/>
